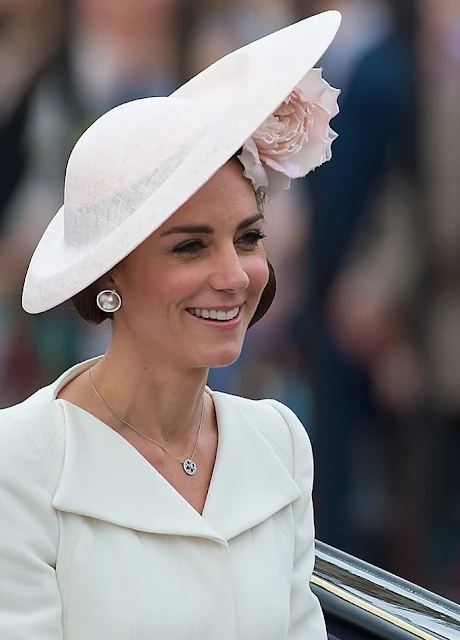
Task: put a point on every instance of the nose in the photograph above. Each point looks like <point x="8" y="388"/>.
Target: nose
<point x="228" y="273"/>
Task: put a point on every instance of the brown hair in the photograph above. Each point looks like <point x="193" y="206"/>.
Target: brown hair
<point x="85" y="301"/>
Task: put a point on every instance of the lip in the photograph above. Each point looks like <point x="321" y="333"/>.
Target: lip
<point x="222" y="325"/>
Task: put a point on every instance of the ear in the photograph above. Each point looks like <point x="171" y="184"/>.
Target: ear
<point x="107" y="281"/>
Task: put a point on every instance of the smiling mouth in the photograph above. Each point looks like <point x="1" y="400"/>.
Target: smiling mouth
<point x="215" y="314"/>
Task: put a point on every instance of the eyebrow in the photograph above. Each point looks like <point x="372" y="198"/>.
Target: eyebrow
<point x="204" y="228"/>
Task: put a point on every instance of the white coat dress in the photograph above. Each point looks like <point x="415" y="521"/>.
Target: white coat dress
<point x="96" y="545"/>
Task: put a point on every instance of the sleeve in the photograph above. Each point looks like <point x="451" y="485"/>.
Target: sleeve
<point x="30" y="604"/>
<point x="307" y="620"/>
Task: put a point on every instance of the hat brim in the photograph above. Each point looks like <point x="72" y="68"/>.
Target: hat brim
<point x="259" y="77"/>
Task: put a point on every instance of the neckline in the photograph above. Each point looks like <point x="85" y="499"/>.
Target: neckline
<point x="80" y="368"/>
<point x="76" y="370"/>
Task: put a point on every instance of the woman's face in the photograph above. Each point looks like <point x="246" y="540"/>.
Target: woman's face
<point x="190" y="290"/>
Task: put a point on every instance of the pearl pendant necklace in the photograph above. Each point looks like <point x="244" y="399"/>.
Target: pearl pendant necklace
<point x="188" y="465"/>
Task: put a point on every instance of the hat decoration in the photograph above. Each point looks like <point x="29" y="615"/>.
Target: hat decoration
<point x="295" y="139"/>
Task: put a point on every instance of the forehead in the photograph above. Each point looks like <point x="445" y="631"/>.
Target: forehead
<point x="228" y="194"/>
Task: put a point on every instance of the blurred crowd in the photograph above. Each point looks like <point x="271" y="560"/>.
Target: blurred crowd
<point x="363" y="340"/>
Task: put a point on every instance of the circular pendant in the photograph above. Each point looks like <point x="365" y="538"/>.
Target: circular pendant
<point x="189" y="467"/>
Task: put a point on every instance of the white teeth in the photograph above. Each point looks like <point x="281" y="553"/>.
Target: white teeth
<point x="215" y="314"/>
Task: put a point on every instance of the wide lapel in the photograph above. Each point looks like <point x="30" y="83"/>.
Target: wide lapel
<point x="104" y="477"/>
<point x="250" y="483"/>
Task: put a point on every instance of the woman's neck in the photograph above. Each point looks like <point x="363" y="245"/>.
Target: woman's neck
<point x="162" y="401"/>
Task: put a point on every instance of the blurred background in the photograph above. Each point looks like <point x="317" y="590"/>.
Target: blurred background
<point x="363" y="341"/>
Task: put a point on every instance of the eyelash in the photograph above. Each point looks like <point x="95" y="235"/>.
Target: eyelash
<point x="251" y="239"/>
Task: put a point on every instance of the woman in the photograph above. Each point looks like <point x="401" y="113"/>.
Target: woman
<point x="135" y="502"/>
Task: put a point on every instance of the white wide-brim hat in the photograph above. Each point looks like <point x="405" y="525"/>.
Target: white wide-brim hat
<point x="141" y="161"/>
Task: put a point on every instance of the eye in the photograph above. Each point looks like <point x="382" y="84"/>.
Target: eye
<point x="189" y="246"/>
<point x="252" y="238"/>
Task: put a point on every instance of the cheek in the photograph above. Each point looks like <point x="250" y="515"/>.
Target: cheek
<point x="160" y="284"/>
<point x="170" y="289"/>
<point x="177" y="285"/>
<point x="258" y="274"/>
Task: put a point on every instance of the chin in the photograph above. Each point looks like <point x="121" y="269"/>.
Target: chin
<point x="223" y="357"/>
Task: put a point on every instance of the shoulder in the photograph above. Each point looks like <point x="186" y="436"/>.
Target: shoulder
<point x="278" y="425"/>
<point x="40" y="419"/>
<point x="32" y="438"/>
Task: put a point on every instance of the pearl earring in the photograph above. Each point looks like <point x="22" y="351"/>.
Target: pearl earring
<point x="108" y="300"/>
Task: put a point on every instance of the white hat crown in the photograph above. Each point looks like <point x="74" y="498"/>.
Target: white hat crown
<point x="123" y="158"/>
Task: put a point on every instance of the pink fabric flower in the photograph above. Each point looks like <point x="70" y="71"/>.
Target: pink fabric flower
<point x="295" y="139"/>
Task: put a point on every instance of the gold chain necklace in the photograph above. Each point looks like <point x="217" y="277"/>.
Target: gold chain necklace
<point x="188" y="465"/>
